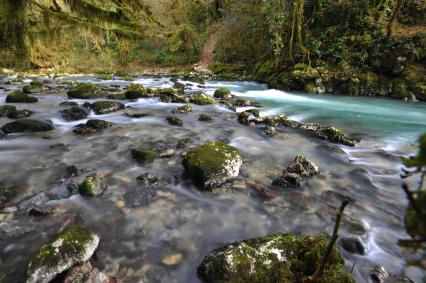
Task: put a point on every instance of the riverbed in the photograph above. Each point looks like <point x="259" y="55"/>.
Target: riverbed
<point x="140" y="226"/>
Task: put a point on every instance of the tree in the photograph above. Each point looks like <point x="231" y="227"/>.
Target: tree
<point x="393" y="17"/>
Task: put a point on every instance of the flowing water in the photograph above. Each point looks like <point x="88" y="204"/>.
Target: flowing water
<point x="140" y="226"/>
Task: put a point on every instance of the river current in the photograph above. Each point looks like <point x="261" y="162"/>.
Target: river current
<point x="140" y="227"/>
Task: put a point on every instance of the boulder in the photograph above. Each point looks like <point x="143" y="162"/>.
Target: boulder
<point x="202" y="99"/>
<point x="72" y="246"/>
<point x="183" y="109"/>
<point x="92" y="126"/>
<point x="26" y="125"/>
<point x="223" y="93"/>
<point x="85" y="91"/>
<point x="275" y="258"/>
<point x="19" y="114"/>
<point x="20" y="97"/>
<point x="34" y="86"/>
<point x="6" y="109"/>
<point x="105" y="107"/>
<point x="135" y="91"/>
<point x="92" y="186"/>
<point x="143" y="155"/>
<point x="74" y="113"/>
<point x="212" y="164"/>
<point x="182" y="143"/>
<point x="205" y="118"/>
<point x="293" y="175"/>
<point x="174" y="121"/>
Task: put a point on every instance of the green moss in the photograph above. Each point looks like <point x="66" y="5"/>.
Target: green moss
<point x="209" y="163"/>
<point x="85" y="91"/>
<point x="135" y="91"/>
<point x="174" y="121"/>
<point x="167" y="91"/>
<point x="223" y="93"/>
<point x="87" y="188"/>
<point x="106" y="77"/>
<point x="75" y="243"/>
<point x="244" y="118"/>
<point x="205" y="118"/>
<point x="254" y="111"/>
<point x="127" y="78"/>
<point x="118" y="96"/>
<point x="281" y="258"/>
<point x="183" y="109"/>
<point x="202" y="99"/>
<point x="20" y="97"/>
<point x="143" y="155"/>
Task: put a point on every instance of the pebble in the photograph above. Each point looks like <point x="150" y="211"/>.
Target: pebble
<point x="172" y="259"/>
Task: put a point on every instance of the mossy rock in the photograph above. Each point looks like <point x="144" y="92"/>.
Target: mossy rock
<point x="72" y="246"/>
<point x="174" y="121"/>
<point x="179" y="86"/>
<point x="6" y="109"/>
<point x="99" y="124"/>
<point x="74" y="113"/>
<point x="275" y="258"/>
<point x="19" y="114"/>
<point x="399" y="90"/>
<point x="143" y="155"/>
<point x="20" y="97"/>
<point x="183" y="109"/>
<point x="36" y="83"/>
<point x="182" y="143"/>
<point x="26" y="125"/>
<point x="419" y="90"/>
<point x="135" y="91"/>
<point x="212" y="164"/>
<point x="7" y="192"/>
<point x="92" y="186"/>
<point x="194" y="78"/>
<point x="223" y="93"/>
<point x="105" y="107"/>
<point x="86" y="91"/>
<point x="205" y="118"/>
<point x="202" y="99"/>
<point x="334" y="135"/>
<point x="118" y="96"/>
<point x="244" y="118"/>
<point x="166" y="91"/>
<point x="254" y="111"/>
<point x="32" y="88"/>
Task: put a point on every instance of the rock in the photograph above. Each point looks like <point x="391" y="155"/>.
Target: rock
<point x="182" y="143"/>
<point x="92" y="126"/>
<point x="183" y="109"/>
<point x="212" y="164"/>
<point x="147" y="179"/>
<point x="244" y="118"/>
<point x="72" y="246"/>
<point x="179" y="86"/>
<point x="298" y="168"/>
<point x="143" y="155"/>
<point x="174" y="121"/>
<point x="106" y="77"/>
<point x="34" y="86"/>
<point x="202" y="99"/>
<point x="135" y="115"/>
<point x="6" y="109"/>
<point x="118" y="96"/>
<point x="41" y="210"/>
<point x="105" y="107"/>
<point x="244" y="103"/>
<point x="68" y="103"/>
<point x="20" y="97"/>
<point x="86" y="91"/>
<point x="74" y="113"/>
<point x="223" y="93"/>
<point x="254" y="111"/>
<point x="26" y="125"/>
<point x="205" y="118"/>
<point x="194" y="78"/>
<point x="137" y="197"/>
<point x="86" y="273"/>
<point x="19" y="114"/>
<point x="92" y="186"/>
<point x="135" y="91"/>
<point x="334" y="135"/>
<point x="172" y="259"/>
<point x="353" y="245"/>
<point x="270" y="131"/>
<point x="7" y="192"/>
<point x="167" y="153"/>
<point x="273" y="258"/>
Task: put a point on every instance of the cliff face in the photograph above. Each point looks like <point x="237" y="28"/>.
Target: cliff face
<point x="33" y="32"/>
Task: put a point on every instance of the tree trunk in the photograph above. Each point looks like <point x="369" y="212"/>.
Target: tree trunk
<point x="394" y="16"/>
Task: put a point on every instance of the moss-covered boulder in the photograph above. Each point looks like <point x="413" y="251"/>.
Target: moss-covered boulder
<point x="223" y="93"/>
<point x="34" y="86"/>
<point x="91" y="127"/>
<point x="19" y="114"/>
<point x="179" y="86"/>
<point x="26" y="125"/>
<point x="105" y="107"/>
<point x="72" y="246"/>
<point x="205" y="118"/>
<point x="86" y="91"/>
<point x="212" y="164"/>
<point x="118" y="96"/>
<point x="334" y="135"/>
<point x="281" y="258"/>
<point x="202" y="99"/>
<point x="99" y="124"/>
<point x="74" y="113"/>
<point x="293" y="175"/>
<point x="143" y="155"/>
<point x="20" y="97"/>
<point x="92" y="186"/>
<point x="183" y="109"/>
<point x="174" y="121"/>
<point x="135" y="91"/>
<point x="6" y="109"/>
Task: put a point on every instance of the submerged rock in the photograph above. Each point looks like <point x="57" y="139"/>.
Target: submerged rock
<point x="297" y="169"/>
<point x="223" y="93"/>
<point x="72" y="246"/>
<point x="212" y="164"/>
<point x="26" y="125"/>
<point x="174" y="121"/>
<point x="205" y="118"/>
<point x="86" y="91"/>
<point x="74" y="113"/>
<point x="20" y="97"/>
<point x="105" y="107"/>
<point x="274" y="258"/>
<point x="92" y="186"/>
<point x="19" y="114"/>
<point x="135" y="91"/>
